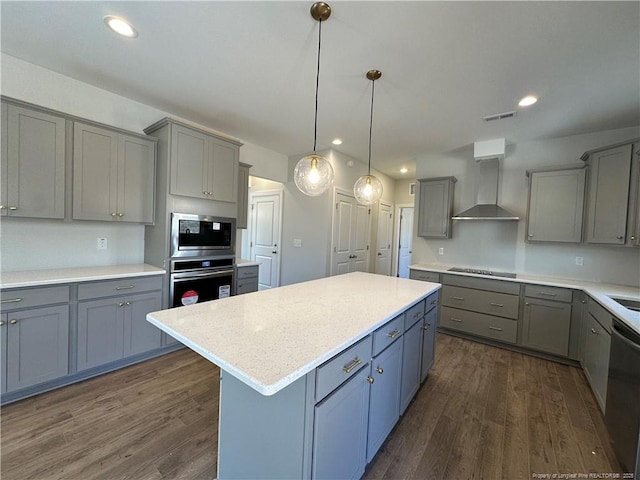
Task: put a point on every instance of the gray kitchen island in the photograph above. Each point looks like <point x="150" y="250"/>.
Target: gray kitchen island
<point x="315" y="375"/>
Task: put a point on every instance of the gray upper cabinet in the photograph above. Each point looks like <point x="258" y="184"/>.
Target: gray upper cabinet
<point x="608" y="195"/>
<point x="243" y="196"/>
<point x="33" y="163"/>
<point x="633" y="231"/>
<point x="202" y="165"/>
<point x="435" y="207"/>
<point x="113" y="175"/>
<point x="556" y="200"/>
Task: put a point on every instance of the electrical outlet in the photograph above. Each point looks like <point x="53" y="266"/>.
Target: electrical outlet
<point x="101" y="243"/>
<point x="579" y="261"/>
<point x="297" y="242"/>
<point x="441" y="251"/>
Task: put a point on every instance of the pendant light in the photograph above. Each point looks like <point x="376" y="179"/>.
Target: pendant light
<point x="368" y="189"/>
<point x="313" y="174"/>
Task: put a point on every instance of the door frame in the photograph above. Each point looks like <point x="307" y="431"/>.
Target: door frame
<point x="396" y="234"/>
<point x="264" y="193"/>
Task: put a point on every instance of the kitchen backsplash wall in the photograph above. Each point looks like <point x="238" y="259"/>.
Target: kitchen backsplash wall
<point x="500" y="245"/>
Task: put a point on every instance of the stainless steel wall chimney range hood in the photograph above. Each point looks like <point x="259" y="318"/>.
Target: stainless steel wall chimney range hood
<point x="488" y="155"/>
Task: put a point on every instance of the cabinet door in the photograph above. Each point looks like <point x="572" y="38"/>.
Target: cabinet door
<point x="412" y="340"/>
<point x="37" y="346"/>
<point x="35" y="164"/>
<point x="223" y="171"/>
<point x="546" y="326"/>
<point x="384" y="404"/>
<point x="556" y="202"/>
<point x="634" y="198"/>
<point x="136" y="179"/>
<point x="3" y="352"/>
<point x="428" y="342"/>
<point x="597" y="343"/>
<point x="243" y="196"/>
<point x="435" y="208"/>
<point x="340" y="431"/>
<point x="189" y="162"/>
<point x="100" y="332"/>
<point x="139" y="335"/>
<point x="95" y="154"/>
<point x="608" y="195"/>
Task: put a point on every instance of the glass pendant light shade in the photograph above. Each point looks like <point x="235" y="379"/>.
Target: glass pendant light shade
<point x="313" y="175"/>
<point x="368" y="190"/>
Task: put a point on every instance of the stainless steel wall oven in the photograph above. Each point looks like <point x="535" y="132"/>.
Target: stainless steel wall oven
<point x="196" y="281"/>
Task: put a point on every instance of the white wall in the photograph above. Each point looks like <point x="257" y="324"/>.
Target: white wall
<point x="500" y="245"/>
<point x="40" y="244"/>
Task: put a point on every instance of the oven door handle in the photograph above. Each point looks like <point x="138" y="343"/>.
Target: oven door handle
<point x="187" y="276"/>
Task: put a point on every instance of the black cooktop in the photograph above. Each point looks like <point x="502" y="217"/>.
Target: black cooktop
<point x="483" y="272"/>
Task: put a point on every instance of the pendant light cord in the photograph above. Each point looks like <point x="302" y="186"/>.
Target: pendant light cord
<point x="315" y="121"/>
<point x="373" y="86"/>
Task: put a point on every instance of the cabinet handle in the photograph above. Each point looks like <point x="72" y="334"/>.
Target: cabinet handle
<point x="371" y="379"/>
<point x="495" y="328"/>
<point x="496" y="304"/>
<point x="3" y="207"/>
<point x="583" y="302"/>
<point x="127" y="303"/>
<point x="633" y="237"/>
<point x="354" y="363"/>
<point x="458" y="298"/>
<point x="121" y="304"/>
<point x="124" y="287"/>
<point x="393" y="334"/>
<point x="1" y="323"/>
<point x="114" y="214"/>
<point x="456" y="320"/>
<point x="526" y="304"/>
<point x="594" y="331"/>
<point x="13" y="321"/>
<point x="380" y="370"/>
<point x="120" y="215"/>
<point x="12" y="208"/>
<point x="548" y="294"/>
<point x="426" y="326"/>
<point x="620" y="237"/>
<point x="418" y="315"/>
<point x="531" y="235"/>
<point x="434" y="302"/>
<point x="11" y="300"/>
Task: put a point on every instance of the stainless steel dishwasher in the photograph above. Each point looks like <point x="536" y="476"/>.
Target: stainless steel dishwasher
<point x="623" y="396"/>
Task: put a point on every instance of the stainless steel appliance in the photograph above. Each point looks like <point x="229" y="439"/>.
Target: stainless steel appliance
<point x="196" y="281"/>
<point x="202" y="235"/>
<point x="482" y="272"/>
<point x="623" y="396"/>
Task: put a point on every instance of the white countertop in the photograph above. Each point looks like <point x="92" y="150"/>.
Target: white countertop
<point x="33" y="278"/>
<point x="242" y="262"/>
<point x="269" y="339"/>
<point x="601" y="292"/>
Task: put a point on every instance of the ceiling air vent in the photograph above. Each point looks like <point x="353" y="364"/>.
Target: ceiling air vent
<point x="500" y="116"/>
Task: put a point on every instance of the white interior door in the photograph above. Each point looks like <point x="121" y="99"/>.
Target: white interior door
<point x="265" y="237"/>
<point x="405" y="241"/>
<point x="384" y="238"/>
<point x="351" y="228"/>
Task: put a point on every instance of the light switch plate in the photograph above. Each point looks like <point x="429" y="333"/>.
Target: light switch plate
<point x="441" y="251"/>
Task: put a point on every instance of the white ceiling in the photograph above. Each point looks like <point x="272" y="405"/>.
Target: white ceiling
<point x="248" y="68"/>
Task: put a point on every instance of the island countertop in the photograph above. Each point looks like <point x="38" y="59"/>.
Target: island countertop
<point x="269" y="339"/>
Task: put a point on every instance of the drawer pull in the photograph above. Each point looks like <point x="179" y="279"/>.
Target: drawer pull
<point x="426" y="326"/>
<point x="354" y="363"/>
<point x="125" y="287"/>
<point x="371" y="379"/>
<point x="456" y="320"/>
<point x="495" y="328"/>
<point x="548" y="294"/>
<point x="433" y="302"/>
<point x="393" y="334"/>
<point x="380" y="370"/>
<point x="1" y="323"/>
<point x="418" y="315"/>
<point x="594" y="331"/>
<point x="13" y="321"/>
<point x="11" y="300"/>
<point x="458" y="298"/>
<point x="496" y="304"/>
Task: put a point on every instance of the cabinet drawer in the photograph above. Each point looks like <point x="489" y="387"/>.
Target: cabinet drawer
<point x="124" y="286"/>
<point x="502" y="329"/>
<point x="341" y="367"/>
<point x="247" y="272"/>
<point x="414" y="314"/>
<point x="492" y="303"/>
<point x="548" y="293"/>
<point x="247" y="286"/>
<point x="600" y="314"/>
<point x="424" y="276"/>
<point x="387" y="334"/>
<point x="432" y="301"/>
<point x="501" y="286"/>
<point x="33" y="297"/>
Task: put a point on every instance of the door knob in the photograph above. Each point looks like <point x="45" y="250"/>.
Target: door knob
<point x="379" y="254"/>
<point x="274" y="251"/>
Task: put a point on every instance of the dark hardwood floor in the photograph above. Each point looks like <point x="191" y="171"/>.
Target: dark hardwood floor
<point x="483" y="413"/>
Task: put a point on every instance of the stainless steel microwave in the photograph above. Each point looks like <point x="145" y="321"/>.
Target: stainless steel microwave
<point x="202" y="235"/>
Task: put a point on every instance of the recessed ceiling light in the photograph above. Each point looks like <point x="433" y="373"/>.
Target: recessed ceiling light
<point x="120" y="26"/>
<point x="404" y="170"/>
<point x="528" y="100"/>
<point x="337" y="141"/>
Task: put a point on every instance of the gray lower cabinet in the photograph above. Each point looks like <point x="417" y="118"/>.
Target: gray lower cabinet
<point x="429" y="324"/>
<point x="411" y="368"/>
<point x="246" y="279"/>
<point x="33" y="163"/>
<point x="547" y="319"/>
<point x="435" y="207"/>
<point x="556" y="200"/>
<point x="596" y="349"/>
<point x="423" y="275"/>
<point x="340" y="430"/>
<point x="113" y="175"/>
